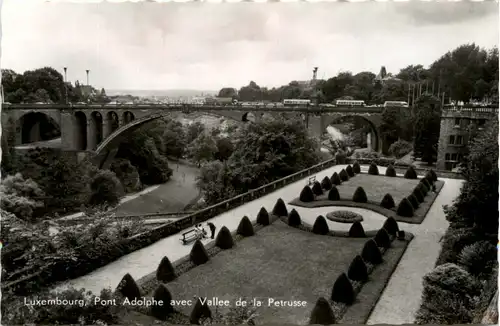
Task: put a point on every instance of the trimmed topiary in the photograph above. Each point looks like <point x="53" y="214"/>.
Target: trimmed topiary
<point x="316" y="189"/>
<point x="326" y="183"/>
<point x="358" y="270"/>
<point x="434" y="189"/>
<point x="434" y="175"/>
<point x="199" y="311"/>
<point x="388" y="202"/>
<point x="224" y="239"/>
<point x="245" y="228"/>
<point x="162" y="294"/>
<point x="371" y="253"/>
<point x="382" y="238"/>
<point x="360" y="196"/>
<point x="418" y="194"/>
<point x="263" y="217"/>
<point x="373" y="169"/>
<point x="401" y="235"/>
<point x="322" y="313"/>
<point x="356" y="168"/>
<point x="336" y="179"/>
<point x="342" y="290"/>
<point x="391" y="226"/>
<point x="198" y="254"/>
<point x="423" y="188"/>
<point x="429" y="178"/>
<point x="414" y="201"/>
<point x="357" y="231"/>
<point x="280" y="208"/>
<point x="294" y="218"/>
<point x="165" y="272"/>
<point x="411" y="173"/>
<point x="426" y="183"/>
<point x="343" y="175"/>
<point x="405" y="208"/>
<point x="320" y="226"/>
<point x="350" y="171"/>
<point x="333" y="194"/>
<point x="306" y="195"/>
<point x="390" y="171"/>
<point x="129" y="288"/>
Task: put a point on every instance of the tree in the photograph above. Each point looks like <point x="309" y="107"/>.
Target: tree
<point x="174" y="139"/>
<point x="20" y="196"/>
<point x="194" y="130"/>
<point x="427" y="125"/>
<point x="224" y="148"/>
<point x="202" y="149"/>
<point x="228" y="92"/>
<point x="105" y="188"/>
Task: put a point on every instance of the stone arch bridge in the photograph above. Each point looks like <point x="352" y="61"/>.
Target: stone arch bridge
<point x="99" y="129"/>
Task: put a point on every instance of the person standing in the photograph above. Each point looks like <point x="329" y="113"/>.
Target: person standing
<point x="212" y="229"/>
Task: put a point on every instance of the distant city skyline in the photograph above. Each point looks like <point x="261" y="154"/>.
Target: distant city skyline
<point x="203" y="46"/>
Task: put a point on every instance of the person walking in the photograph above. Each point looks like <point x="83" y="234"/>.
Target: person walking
<point x="212" y="229"/>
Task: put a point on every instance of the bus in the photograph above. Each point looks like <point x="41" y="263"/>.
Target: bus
<point x="296" y="102"/>
<point x="349" y="103"/>
<point x="395" y="104"/>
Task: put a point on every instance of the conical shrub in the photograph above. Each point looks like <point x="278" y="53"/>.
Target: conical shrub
<point x="129" y="288"/>
<point x="405" y="208"/>
<point x="294" y="218"/>
<point x="358" y="270"/>
<point x="429" y="178"/>
<point x="342" y="290"/>
<point x="391" y="226"/>
<point x="423" y="188"/>
<point x="306" y="195"/>
<point x="162" y="294"/>
<point x="413" y="201"/>
<point x="336" y="179"/>
<point x="382" y="238"/>
<point x="388" y="202"/>
<point x="165" y="272"/>
<point x="280" y="208"/>
<point x="418" y="194"/>
<point x="350" y="171"/>
<point x="245" y="228"/>
<point x="333" y="194"/>
<point x="434" y="175"/>
<point x="199" y="311"/>
<point x="373" y="169"/>
<point x="426" y="183"/>
<point x="357" y="230"/>
<point x="198" y="254"/>
<point x="371" y="253"/>
<point x="401" y="235"/>
<point x="343" y="175"/>
<point x="320" y="226"/>
<point x="390" y="171"/>
<point x="411" y="173"/>
<point x="316" y="189"/>
<point x="356" y="168"/>
<point x="322" y="313"/>
<point x="224" y="239"/>
<point x="359" y="196"/>
<point x="326" y="183"/>
<point x="263" y="217"/>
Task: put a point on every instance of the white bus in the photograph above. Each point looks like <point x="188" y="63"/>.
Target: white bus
<point x="349" y="103"/>
<point x="296" y="102"/>
<point x="395" y="104"/>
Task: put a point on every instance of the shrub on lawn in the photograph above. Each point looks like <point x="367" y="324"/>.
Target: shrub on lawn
<point x="280" y="208"/>
<point x="356" y="168"/>
<point x="320" y="226"/>
<point x="418" y="195"/>
<point x="400" y="148"/>
<point x="165" y="272"/>
<point x="453" y="242"/>
<point x="105" y="188"/>
<point x="405" y="208"/>
<point x="423" y="188"/>
<point x="371" y="253"/>
<point x="333" y="194"/>
<point x="390" y="172"/>
<point x="387" y="202"/>
<point x="245" y="228"/>
<point x="316" y="188"/>
<point x="129" y="288"/>
<point x="434" y="175"/>
<point x="401" y="235"/>
<point x="343" y="175"/>
<point x="426" y="183"/>
<point x="350" y="171"/>
<point x="478" y="258"/>
<point x="411" y="173"/>
<point x="162" y="311"/>
<point x="263" y="217"/>
<point x="429" y="178"/>
<point x="391" y="226"/>
<point x="326" y="183"/>
<point x="382" y="238"/>
<point x="200" y="310"/>
<point x="342" y="290"/>
<point x="414" y="201"/>
<point x="434" y="187"/>
<point x="357" y="231"/>
<point x="294" y="218"/>
<point x="322" y="313"/>
<point x="306" y="195"/>
<point x="360" y="196"/>
<point x="373" y="169"/>
<point x="336" y="179"/>
<point x="224" y="239"/>
<point x="358" y="270"/>
<point x="198" y="254"/>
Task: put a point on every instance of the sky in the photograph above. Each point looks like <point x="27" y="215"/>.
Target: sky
<point x="207" y="46"/>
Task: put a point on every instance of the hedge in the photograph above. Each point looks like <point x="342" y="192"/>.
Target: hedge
<point x="343" y="175"/>
<point x="373" y="169"/>
<point x="382" y="238"/>
<point x="306" y="195"/>
<point x="224" y="239"/>
<point x="390" y="171"/>
<point x="322" y="313"/>
<point x="405" y="208"/>
<point x="360" y="196"/>
<point x="326" y="183"/>
<point x="263" y="217"/>
<point x="162" y="294"/>
<point x="388" y="202"/>
<point x="316" y="188"/>
<point x="294" y="218"/>
<point x="358" y="270"/>
<point x="391" y="226"/>
<point x="371" y="253"/>
<point x="166" y="272"/>
<point x="129" y="288"/>
<point x="245" y="228"/>
<point x="333" y="194"/>
<point x="418" y="195"/>
<point x="350" y="171"/>
<point x="411" y="173"/>
<point x="413" y="201"/>
<point x="357" y="230"/>
<point x="342" y="290"/>
<point x="199" y="310"/>
<point x="280" y="208"/>
<point x="336" y="179"/>
<point x="356" y="168"/>
<point x="320" y="226"/>
<point x="198" y="254"/>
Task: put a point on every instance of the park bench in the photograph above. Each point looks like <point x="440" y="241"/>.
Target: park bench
<point x="191" y="235"/>
<point x="311" y="180"/>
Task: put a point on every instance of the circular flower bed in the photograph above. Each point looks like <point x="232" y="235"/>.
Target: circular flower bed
<point x="344" y="217"/>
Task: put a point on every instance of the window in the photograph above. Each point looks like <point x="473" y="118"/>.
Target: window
<point x="447" y="156"/>
<point x="457" y="122"/>
<point x="459" y="140"/>
<point x="454" y="156"/>
<point x="448" y="166"/>
<point x="451" y="140"/>
<point x="460" y="157"/>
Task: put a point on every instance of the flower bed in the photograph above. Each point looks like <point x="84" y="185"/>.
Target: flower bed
<point x="344" y="217"/>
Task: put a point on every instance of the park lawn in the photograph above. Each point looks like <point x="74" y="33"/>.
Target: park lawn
<point x="278" y="262"/>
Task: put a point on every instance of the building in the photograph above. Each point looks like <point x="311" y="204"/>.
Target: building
<point x="458" y="126"/>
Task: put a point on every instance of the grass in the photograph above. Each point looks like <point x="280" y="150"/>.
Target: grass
<point x="376" y="186"/>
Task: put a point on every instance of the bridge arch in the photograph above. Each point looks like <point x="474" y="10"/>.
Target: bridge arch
<point x="128" y="117"/>
<point x="80" y="131"/>
<point x="112" y="122"/>
<point x="96" y="127"/>
<point x="36" y="126"/>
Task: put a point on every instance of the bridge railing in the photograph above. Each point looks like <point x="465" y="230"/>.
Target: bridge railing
<point x="471" y="109"/>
